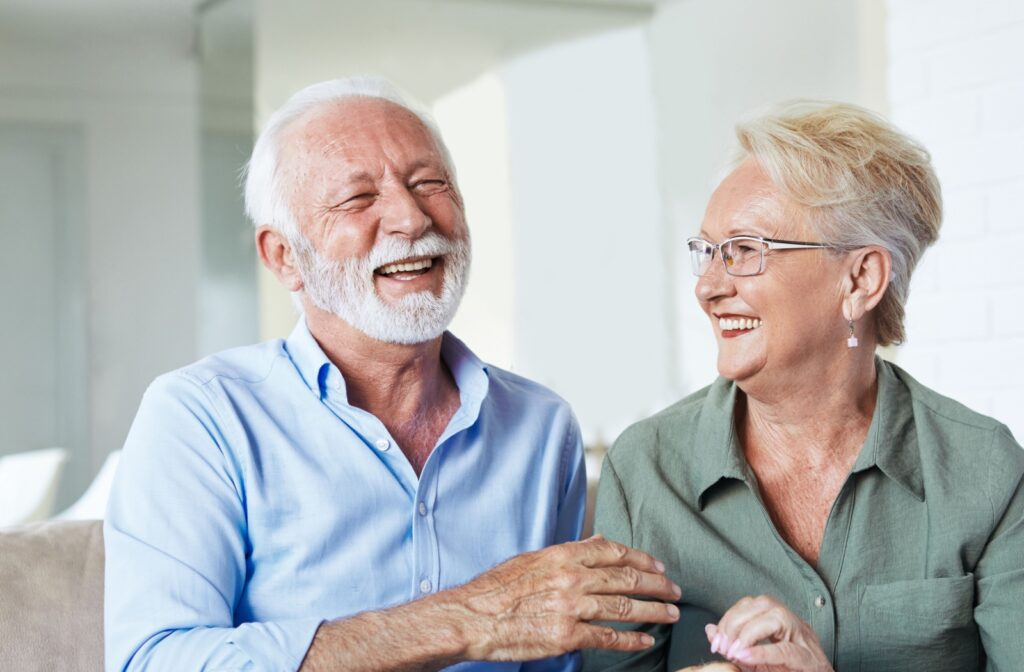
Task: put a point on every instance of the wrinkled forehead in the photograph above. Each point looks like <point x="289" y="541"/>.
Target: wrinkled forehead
<point x="747" y="202"/>
<point x="355" y="129"/>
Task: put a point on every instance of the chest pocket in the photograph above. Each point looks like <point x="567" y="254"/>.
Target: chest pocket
<point x="919" y="625"/>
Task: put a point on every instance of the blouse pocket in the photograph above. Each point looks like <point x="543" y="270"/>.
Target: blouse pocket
<point x="919" y="625"/>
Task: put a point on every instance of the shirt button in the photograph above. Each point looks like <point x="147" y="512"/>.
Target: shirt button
<point x="819" y="601"/>
<point x="422" y="508"/>
<point x="424" y="586"/>
<point x="382" y="444"/>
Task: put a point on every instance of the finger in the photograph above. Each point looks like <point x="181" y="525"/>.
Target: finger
<point x="600" y="552"/>
<point x="603" y="637"/>
<point x="737" y="616"/>
<point x="622" y="608"/>
<point x="770" y="625"/>
<point x="787" y="655"/>
<point x="742" y="612"/>
<point x="629" y="581"/>
<point x="710" y="630"/>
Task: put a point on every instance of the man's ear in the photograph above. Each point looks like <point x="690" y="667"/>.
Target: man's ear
<point x="276" y="254"/>
<point x="868" y="271"/>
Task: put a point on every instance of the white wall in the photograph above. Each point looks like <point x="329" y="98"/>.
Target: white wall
<point x="592" y="306"/>
<point x="135" y="104"/>
<point x="228" y="292"/>
<point x="957" y="84"/>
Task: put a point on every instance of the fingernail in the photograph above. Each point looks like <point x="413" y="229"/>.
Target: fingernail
<point x="659" y="565"/>
<point x="647" y="640"/>
<point x="673" y="610"/>
<point x="715" y="642"/>
<point x="736" y="646"/>
<point x="677" y="590"/>
<point x="743" y="654"/>
<point x="723" y="645"/>
<point x="707" y="629"/>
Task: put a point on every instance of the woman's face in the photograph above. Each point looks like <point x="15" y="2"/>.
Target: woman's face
<point x="796" y="301"/>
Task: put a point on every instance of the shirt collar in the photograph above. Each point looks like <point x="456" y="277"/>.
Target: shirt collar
<point x="310" y="361"/>
<point x="891" y="443"/>
<point x="717" y="431"/>
<point x="321" y="375"/>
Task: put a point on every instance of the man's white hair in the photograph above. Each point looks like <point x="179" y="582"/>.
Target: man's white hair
<point x="266" y="195"/>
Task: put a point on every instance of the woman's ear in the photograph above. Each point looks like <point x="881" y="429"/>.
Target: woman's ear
<point x="277" y="255"/>
<point x="868" y="270"/>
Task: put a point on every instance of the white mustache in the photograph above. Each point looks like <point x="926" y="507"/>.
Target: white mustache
<point x="391" y="250"/>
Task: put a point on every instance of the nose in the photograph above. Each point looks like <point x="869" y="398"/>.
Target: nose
<point x="715" y="283"/>
<point x="403" y="215"/>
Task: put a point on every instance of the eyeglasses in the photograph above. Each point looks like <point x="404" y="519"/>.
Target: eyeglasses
<point x="741" y="255"/>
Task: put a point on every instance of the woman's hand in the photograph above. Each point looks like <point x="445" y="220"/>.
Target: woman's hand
<point x="761" y="635"/>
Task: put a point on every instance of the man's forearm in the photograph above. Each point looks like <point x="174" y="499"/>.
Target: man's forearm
<point x="420" y="636"/>
<point x="536" y="605"/>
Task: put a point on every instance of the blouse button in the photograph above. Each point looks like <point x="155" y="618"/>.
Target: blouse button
<point x="819" y="601"/>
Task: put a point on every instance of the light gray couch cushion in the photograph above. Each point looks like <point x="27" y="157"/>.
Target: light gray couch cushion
<point x="51" y="596"/>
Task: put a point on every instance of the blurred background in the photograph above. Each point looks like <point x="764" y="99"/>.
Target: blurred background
<point x="587" y="135"/>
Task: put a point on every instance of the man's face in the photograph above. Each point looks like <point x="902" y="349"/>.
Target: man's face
<point x="383" y="241"/>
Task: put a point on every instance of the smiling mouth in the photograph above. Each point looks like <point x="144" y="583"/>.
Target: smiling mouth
<point x="737" y="324"/>
<point x="406" y="269"/>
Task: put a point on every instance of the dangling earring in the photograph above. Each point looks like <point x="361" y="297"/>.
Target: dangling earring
<point x="851" y="342"/>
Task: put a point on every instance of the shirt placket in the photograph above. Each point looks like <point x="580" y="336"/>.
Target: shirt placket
<point x="819" y="597"/>
<point x="426" y="551"/>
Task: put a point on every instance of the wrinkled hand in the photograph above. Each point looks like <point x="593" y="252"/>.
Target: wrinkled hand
<point x="761" y="635"/>
<point x="539" y="604"/>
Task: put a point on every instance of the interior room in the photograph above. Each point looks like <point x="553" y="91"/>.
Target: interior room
<point x="587" y="135"/>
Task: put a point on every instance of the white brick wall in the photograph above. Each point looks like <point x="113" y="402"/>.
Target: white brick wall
<point x="956" y="82"/>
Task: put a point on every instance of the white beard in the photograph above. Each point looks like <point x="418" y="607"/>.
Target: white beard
<point x="347" y="289"/>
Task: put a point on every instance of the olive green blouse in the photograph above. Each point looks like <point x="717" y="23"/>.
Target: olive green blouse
<point x="922" y="561"/>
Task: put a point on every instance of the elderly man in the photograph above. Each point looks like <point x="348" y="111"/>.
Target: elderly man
<point x="325" y="502"/>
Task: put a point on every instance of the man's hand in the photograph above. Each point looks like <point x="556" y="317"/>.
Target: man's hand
<point x="761" y="635"/>
<point x="536" y="605"/>
<point x="540" y="604"/>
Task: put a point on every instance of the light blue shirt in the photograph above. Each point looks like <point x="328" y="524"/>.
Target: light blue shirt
<point x="253" y="502"/>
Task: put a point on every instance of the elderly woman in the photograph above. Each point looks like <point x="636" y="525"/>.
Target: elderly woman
<point x="820" y="508"/>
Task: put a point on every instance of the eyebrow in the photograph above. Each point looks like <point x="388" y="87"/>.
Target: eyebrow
<point x="365" y="176"/>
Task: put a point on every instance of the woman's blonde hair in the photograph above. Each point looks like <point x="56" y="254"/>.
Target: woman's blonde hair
<point x="861" y="182"/>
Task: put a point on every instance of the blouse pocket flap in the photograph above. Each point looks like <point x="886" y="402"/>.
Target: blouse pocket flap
<point x="946" y="601"/>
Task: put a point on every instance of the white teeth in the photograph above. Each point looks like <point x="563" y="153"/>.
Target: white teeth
<point x="729" y="324"/>
<point x="406" y="266"/>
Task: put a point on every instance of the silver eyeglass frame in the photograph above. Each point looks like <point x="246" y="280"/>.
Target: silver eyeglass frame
<point x="769" y="243"/>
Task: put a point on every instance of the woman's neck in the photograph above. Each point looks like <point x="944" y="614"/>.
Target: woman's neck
<point x="815" y="417"/>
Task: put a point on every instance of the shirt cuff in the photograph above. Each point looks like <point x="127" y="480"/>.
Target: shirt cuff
<point x="276" y="645"/>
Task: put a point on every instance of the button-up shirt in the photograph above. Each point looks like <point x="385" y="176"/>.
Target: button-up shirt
<point x="253" y="502"/>
<point x="922" y="561"/>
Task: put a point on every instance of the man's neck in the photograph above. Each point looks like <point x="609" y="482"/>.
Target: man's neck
<point x="389" y="380"/>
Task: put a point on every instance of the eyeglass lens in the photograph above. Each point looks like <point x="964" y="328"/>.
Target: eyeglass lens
<point x="741" y="256"/>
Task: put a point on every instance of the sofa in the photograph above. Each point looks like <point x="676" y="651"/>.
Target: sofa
<point x="51" y="597"/>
